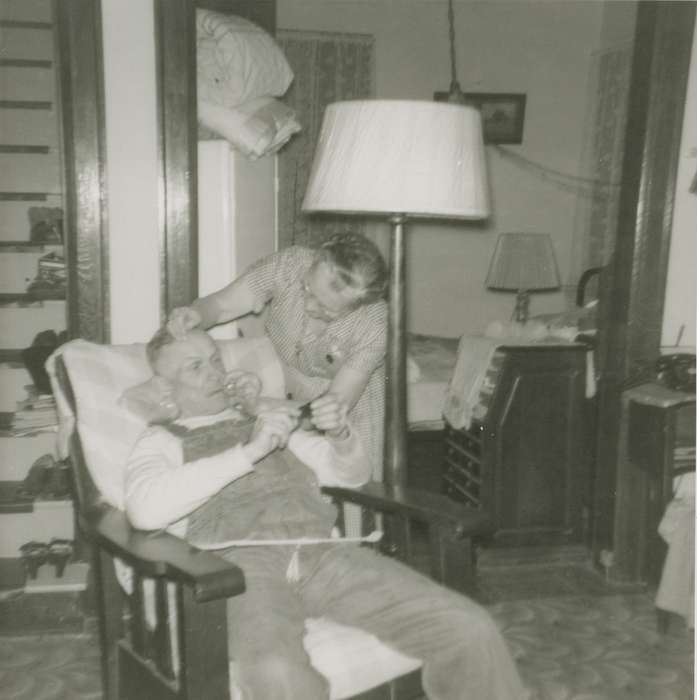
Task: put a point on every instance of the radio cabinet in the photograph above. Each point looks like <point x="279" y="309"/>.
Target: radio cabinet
<point x="527" y="460"/>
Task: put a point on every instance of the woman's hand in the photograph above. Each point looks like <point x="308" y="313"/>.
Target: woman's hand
<point x="271" y="431"/>
<point x="329" y="414"/>
<point x="181" y="320"/>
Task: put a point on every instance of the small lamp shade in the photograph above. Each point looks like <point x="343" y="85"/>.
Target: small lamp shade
<point x="424" y="159"/>
<point x="523" y="262"/>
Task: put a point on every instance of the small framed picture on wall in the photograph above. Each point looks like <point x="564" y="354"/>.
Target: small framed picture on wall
<point x="503" y="114"/>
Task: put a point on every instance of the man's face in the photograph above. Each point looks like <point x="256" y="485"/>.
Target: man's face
<point x="194" y="368"/>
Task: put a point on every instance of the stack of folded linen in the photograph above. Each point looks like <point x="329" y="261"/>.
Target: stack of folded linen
<point x="241" y="73"/>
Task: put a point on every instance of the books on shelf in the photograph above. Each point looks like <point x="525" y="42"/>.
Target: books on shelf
<point x="35" y="413"/>
<point x="51" y="276"/>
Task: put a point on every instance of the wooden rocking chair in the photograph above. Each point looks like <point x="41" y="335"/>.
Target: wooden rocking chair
<point x="183" y="653"/>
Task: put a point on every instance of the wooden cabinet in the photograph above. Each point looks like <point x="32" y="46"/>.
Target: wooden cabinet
<point x="657" y="441"/>
<point x="527" y="459"/>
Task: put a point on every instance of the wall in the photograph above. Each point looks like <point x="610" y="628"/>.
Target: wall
<point x="681" y="290"/>
<point x="543" y="49"/>
<point x="131" y="168"/>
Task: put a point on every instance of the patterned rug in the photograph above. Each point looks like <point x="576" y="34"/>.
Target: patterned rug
<point x="596" y="648"/>
<point x="567" y="648"/>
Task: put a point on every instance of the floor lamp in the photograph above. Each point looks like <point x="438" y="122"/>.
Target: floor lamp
<point x="399" y="160"/>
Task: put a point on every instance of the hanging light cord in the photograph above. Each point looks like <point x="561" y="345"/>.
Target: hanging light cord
<point x="451" y="28"/>
<point x="568" y="181"/>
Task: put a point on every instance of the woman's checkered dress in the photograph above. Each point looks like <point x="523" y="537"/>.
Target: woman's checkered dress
<point x="310" y="361"/>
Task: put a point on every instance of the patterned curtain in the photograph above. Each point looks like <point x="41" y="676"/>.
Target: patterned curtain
<point x="596" y="225"/>
<point x="328" y="67"/>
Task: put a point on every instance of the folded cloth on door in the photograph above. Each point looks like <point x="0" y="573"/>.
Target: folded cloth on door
<point x="474" y="357"/>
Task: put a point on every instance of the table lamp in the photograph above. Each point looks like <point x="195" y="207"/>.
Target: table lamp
<point x="523" y="263"/>
<point x="400" y="160"/>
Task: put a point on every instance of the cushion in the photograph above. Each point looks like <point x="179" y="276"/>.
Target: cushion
<point x="100" y="374"/>
<point x="237" y="61"/>
<point x="256" y="128"/>
<point x="353" y="660"/>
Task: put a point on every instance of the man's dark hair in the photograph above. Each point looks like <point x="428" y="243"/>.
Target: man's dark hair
<point x="161" y="339"/>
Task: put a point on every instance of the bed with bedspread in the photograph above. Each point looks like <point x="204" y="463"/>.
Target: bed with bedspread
<point x="436" y="391"/>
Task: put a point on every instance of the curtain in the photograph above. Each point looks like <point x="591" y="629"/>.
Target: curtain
<point x="327" y="67"/>
<point x="596" y="224"/>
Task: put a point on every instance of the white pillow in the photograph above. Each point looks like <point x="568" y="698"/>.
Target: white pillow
<point x="256" y="128"/>
<point x="351" y="659"/>
<point x="237" y="61"/>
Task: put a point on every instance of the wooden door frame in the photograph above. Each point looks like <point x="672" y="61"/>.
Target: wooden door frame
<point x="175" y="42"/>
<point x="79" y="35"/>
<point x="175" y="39"/>
<point x="79" y="32"/>
<point x="632" y="297"/>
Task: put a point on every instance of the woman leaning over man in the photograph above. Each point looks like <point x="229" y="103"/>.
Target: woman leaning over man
<point x="327" y="319"/>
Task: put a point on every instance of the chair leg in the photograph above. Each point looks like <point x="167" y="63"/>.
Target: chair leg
<point x="452" y="560"/>
<point x="204" y="648"/>
<point x="109" y="609"/>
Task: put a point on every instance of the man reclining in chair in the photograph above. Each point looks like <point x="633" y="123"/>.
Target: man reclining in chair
<point x="216" y="475"/>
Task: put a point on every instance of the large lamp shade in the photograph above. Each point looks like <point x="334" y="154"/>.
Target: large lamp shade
<point x="425" y="159"/>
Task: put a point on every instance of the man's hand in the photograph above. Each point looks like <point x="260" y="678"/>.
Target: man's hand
<point x="181" y="320"/>
<point x="243" y="388"/>
<point x="329" y="414"/>
<point x="271" y="431"/>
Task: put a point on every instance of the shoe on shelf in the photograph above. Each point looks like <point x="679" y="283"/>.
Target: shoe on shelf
<point x="57" y="484"/>
<point x="36" y="479"/>
<point x="60" y="552"/>
<point x="33" y="555"/>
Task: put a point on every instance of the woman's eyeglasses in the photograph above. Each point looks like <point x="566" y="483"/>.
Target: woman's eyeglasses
<point x="318" y="307"/>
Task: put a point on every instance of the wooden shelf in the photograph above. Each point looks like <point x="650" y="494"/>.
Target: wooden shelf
<point x="24" y="196"/>
<point x="11" y="501"/>
<point x="25" y="63"/>
<point x="24" y="24"/>
<point x="25" y="298"/>
<point x="11" y="356"/>
<point x="25" y="246"/>
<point x="26" y="104"/>
<point x="25" y="149"/>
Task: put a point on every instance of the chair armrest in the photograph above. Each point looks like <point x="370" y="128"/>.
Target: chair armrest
<point x="161" y="555"/>
<point x="422" y="506"/>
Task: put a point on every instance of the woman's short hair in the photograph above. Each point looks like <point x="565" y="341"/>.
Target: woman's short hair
<point x="358" y="262"/>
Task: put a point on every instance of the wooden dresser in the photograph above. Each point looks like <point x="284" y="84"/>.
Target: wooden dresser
<point x="527" y="459"/>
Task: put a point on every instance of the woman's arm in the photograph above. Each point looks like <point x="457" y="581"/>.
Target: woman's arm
<point x="349" y="384"/>
<point x="227" y="304"/>
<point x="248" y="293"/>
<point x="363" y="357"/>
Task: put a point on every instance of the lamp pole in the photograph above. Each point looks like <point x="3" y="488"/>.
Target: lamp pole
<point x="395" y="464"/>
